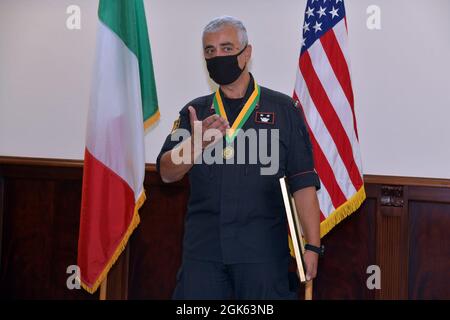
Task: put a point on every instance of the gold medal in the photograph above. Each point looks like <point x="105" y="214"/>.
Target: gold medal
<point x="228" y="152"/>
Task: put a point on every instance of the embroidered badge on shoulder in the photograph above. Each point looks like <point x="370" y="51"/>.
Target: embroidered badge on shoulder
<point x="265" y="117"/>
<point x="176" y="125"/>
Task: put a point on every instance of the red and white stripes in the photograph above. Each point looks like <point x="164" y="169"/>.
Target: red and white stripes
<point x="324" y="91"/>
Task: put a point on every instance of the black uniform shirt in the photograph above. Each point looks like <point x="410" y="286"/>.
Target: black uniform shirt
<point x="235" y="214"/>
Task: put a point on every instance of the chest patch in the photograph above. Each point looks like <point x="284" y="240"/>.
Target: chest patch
<point x="265" y="117"/>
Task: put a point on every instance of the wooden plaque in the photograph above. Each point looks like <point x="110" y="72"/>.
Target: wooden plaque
<point x="294" y="228"/>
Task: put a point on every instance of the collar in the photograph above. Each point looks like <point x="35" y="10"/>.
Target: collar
<point x="250" y="87"/>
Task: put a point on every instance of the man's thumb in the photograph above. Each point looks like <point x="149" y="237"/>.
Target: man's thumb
<point x="192" y="114"/>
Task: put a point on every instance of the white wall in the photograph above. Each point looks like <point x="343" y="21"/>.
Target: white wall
<point x="400" y="73"/>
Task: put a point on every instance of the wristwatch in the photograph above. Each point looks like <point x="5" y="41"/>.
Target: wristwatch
<point x="319" y="250"/>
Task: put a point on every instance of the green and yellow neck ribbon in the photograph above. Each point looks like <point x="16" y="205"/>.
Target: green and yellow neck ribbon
<point x="243" y="116"/>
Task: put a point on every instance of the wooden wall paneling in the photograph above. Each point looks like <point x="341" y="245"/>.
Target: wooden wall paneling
<point x="27" y="242"/>
<point x="401" y="254"/>
<point x="2" y="189"/>
<point x="392" y="248"/>
<point x="2" y="181"/>
<point x="402" y="227"/>
<point x="349" y="250"/>
<point x="429" y="255"/>
<point x="40" y="229"/>
<point x="155" y="247"/>
<point x="117" y="285"/>
<point x="64" y="236"/>
<point x="429" y="194"/>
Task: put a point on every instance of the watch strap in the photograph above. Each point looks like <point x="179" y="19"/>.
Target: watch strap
<point x="319" y="250"/>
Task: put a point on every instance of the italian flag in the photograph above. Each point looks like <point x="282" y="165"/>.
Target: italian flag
<point x="123" y="103"/>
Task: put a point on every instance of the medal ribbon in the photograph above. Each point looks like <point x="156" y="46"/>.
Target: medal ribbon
<point x="241" y="119"/>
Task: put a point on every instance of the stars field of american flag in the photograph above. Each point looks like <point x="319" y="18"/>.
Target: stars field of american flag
<point x="323" y="90"/>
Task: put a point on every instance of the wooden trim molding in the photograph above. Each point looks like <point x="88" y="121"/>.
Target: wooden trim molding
<point x="46" y="162"/>
<point x="407" y="181"/>
<point x="151" y="167"/>
<point x="51" y="162"/>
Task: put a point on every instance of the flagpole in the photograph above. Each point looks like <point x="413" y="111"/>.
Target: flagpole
<point x="308" y="290"/>
<point x="103" y="289"/>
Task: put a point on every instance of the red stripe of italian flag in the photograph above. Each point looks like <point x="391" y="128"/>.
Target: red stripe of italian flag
<point x="123" y="103"/>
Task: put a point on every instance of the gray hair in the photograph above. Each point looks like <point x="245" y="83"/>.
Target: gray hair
<point x="218" y="23"/>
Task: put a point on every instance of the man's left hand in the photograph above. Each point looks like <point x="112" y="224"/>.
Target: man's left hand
<point x="310" y="258"/>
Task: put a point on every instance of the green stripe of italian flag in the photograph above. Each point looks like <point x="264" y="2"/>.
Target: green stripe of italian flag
<point x="123" y="103"/>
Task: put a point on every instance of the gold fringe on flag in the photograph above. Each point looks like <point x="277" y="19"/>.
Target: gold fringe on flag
<point x="346" y="209"/>
<point x="134" y="223"/>
<point x="150" y="121"/>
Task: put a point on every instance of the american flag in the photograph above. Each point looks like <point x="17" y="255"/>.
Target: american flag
<point x="324" y="92"/>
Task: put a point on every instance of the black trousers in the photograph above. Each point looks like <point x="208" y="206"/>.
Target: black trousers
<point x="204" y="280"/>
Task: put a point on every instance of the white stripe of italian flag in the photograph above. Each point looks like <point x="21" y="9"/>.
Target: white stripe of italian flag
<point x="123" y="102"/>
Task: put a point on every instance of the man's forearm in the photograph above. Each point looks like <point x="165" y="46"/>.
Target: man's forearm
<point x="308" y="211"/>
<point x="170" y="171"/>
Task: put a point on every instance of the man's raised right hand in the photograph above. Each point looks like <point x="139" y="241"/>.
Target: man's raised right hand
<point x="212" y="122"/>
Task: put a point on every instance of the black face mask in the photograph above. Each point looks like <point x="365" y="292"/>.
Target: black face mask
<point x="224" y="69"/>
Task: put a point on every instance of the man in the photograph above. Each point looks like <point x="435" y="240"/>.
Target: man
<point x="236" y="241"/>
